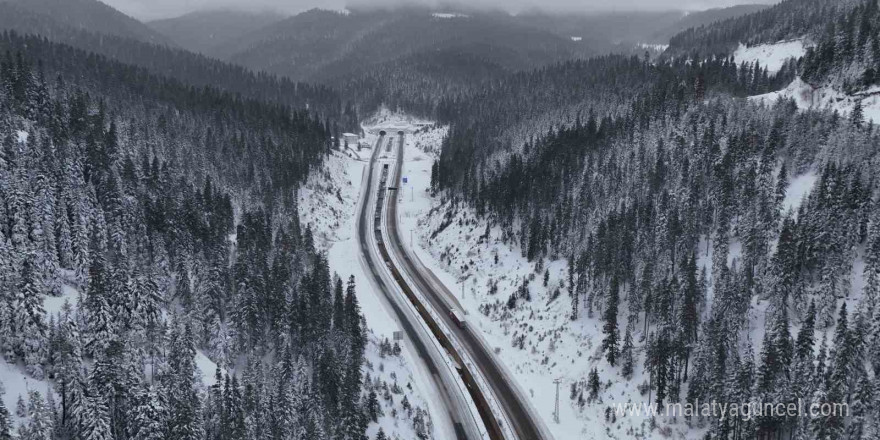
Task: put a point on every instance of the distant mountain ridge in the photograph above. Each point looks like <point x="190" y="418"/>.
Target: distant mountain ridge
<point x="168" y="61"/>
<point x="208" y="32"/>
<point x="317" y="44"/>
<point x="708" y="17"/>
<point x="90" y="15"/>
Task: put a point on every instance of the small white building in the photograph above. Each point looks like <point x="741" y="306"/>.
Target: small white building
<point x="349" y="140"/>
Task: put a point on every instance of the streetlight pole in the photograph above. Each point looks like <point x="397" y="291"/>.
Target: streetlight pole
<point x="556" y="411"/>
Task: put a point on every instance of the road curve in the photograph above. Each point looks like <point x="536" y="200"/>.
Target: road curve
<point x="517" y="411"/>
<point x="459" y="414"/>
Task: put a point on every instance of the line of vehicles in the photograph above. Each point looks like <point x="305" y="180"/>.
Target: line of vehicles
<point x="491" y="423"/>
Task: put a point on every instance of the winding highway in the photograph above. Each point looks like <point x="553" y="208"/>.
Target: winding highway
<point x="523" y="423"/>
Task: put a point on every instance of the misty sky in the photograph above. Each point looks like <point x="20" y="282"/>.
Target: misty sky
<point x="153" y="9"/>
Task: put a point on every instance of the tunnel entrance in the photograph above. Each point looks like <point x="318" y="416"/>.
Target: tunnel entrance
<point x="382" y="133"/>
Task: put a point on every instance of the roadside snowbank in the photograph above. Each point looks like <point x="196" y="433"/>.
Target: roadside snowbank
<point x="328" y="202"/>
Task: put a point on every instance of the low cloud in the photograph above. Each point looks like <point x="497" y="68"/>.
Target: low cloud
<point x="156" y="9"/>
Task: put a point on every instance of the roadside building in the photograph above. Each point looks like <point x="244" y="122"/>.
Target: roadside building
<point x="349" y="140"/>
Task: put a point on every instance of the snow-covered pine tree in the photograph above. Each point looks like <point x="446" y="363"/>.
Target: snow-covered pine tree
<point x="610" y="329"/>
<point x="184" y="420"/>
<point x="627" y="355"/>
<point x="5" y="418"/>
<point x="31" y="317"/>
<point x="96" y="302"/>
<point x="39" y="419"/>
<point x="63" y="235"/>
<point x="593" y="385"/>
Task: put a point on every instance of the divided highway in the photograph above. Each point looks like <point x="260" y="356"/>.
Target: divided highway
<point x="523" y="423"/>
<point x="463" y="424"/>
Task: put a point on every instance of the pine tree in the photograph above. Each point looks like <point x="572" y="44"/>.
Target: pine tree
<point x="7" y="322"/>
<point x="860" y="411"/>
<point x="97" y="303"/>
<point x="31" y="316"/>
<point x="781" y="188"/>
<point x="39" y="421"/>
<point x="805" y="337"/>
<point x="64" y="237"/>
<point x="21" y="407"/>
<point x="593" y="385"/>
<point x="339" y="321"/>
<point x="184" y="420"/>
<point x="420" y="426"/>
<point x="5" y="419"/>
<point x="612" y="336"/>
<point x="96" y="420"/>
<point x="857" y="117"/>
<point x="374" y="409"/>
<point x="80" y="244"/>
<point x="628" y="362"/>
<point x="689" y="316"/>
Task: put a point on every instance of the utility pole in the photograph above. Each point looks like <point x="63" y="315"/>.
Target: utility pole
<point x="410" y="238"/>
<point x="556" y="411"/>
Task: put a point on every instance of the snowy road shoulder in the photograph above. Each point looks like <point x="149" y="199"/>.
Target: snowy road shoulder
<point x="329" y="204"/>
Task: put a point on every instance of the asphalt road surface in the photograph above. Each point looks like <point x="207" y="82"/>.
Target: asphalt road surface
<point x="523" y="424"/>
<point x="462" y="421"/>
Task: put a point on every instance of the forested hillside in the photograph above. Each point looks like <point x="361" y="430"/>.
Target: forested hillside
<point x="674" y="202"/>
<point x="622" y="31"/>
<point x="420" y="84"/>
<point x="513" y="112"/>
<point x="847" y="53"/>
<point x="171" y="210"/>
<point x="787" y="20"/>
<point x="723" y="230"/>
<point x="187" y="67"/>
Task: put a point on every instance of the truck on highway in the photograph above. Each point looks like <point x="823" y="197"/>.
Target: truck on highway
<point x="458" y="318"/>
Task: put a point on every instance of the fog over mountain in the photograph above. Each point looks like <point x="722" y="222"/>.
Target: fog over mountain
<point x="157" y="9"/>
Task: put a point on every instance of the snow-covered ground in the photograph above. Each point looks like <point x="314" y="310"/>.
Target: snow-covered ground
<point x="448" y="15"/>
<point x="772" y="56"/>
<point x="808" y="97"/>
<point x="390" y="377"/>
<point x="17" y="384"/>
<point x="655" y="47"/>
<point x="453" y="243"/>
<point x="14" y="381"/>
<point x="798" y="189"/>
<point x="329" y="203"/>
